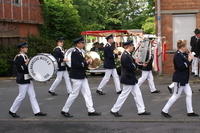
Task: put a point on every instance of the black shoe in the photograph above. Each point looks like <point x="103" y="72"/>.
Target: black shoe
<point x="145" y="113"/>
<point x="157" y="91"/>
<point x="66" y="114"/>
<point x="52" y="93"/>
<point x="41" y="114"/>
<point x="195" y="76"/>
<point x="119" y="92"/>
<point x="166" y="115"/>
<point x="100" y="92"/>
<point x="116" y="114"/>
<point x="192" y="114"/>
<point x="14" y="115"/>
<point x="192" y="73"/>
<point x="170" y="90"/>
<point x="94" y="114"/>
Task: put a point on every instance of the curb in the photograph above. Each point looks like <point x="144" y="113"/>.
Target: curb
<point x="7" y="78"/>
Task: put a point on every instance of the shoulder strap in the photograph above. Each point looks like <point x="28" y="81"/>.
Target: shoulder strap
<point x="24" y="56"/>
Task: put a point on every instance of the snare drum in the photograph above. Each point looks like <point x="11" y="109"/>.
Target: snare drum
<point x="42" y="67"/>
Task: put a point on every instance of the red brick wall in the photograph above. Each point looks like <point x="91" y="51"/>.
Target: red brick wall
<point x="168" y="33"/>
<point x="179" y="4"/>
<point x="19" y="21"/>
<point x="28" y="29"/>
<point x="167" y="28"/>
<point x="28" y="12"/>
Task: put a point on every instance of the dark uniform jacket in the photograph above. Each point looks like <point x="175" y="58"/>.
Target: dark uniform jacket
<point x="21" y="69"/>
<point x="58" y="53"/>
<point x="128" y="68"/>
<point x="78" y="65"/>
<point x="149" y="65"/>
<point x="195" y="45"/>
<point x="181" y="66"/>
<point x="109" y="57"/>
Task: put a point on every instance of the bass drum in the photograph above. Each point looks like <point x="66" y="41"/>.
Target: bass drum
<point x="42" y="67"/>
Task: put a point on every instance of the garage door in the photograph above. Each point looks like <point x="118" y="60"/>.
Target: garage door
<point x="183" y="28"/>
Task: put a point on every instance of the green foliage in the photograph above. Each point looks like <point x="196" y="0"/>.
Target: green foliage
<point x="114" y="14"/>
<point x="40" y="45"/>
<point x="7" y="54"/>
<point x="149" y="26"/>
<point x="61" y="19"/>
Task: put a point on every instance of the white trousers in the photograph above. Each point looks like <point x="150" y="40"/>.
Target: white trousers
<point x="177" y="94"/>
<point x="147" y="75"/>
<point x="60" y="75"/>
<point x="106" y="78"/>
<point x="195" y="64"/>
<point x="23" y="89"/>
<point x="83" y="86"/>
<point x="135" y="91"/>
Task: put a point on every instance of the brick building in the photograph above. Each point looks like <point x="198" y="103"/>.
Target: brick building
<point x="179" y="18"/>
<point x="19" y="19"/>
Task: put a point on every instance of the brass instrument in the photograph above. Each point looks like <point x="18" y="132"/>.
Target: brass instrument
<point x="119" y="51"/>
<point x="96" y="60"/>
<point x="143" y="52"/>
<point x="93" y="56"/>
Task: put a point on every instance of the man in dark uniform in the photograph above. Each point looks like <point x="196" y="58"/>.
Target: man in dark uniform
<point x="95" y="47"/>
<point x="195" y="47"/>
<point x="58" y="53"/>
<point x="24" y="83"/>
<point x="79" y="80"/>
<point x="180" y="79"/>
<point x="147" y="74"/>
<point x="129" y="81"/>
<point x="109" y="65"/>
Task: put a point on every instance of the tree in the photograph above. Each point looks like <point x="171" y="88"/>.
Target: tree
<point x="60" y="19"/>
<point x="149" y="26"/>
<point x="114" y="14"/>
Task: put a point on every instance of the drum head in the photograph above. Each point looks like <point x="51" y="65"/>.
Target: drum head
<point x="41" y="67"/>
<point x="68" y="56"/>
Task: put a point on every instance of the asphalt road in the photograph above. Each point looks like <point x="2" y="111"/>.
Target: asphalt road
<point x="81" y="123"/>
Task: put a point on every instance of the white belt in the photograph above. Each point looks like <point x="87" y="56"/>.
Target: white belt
<point x="63" y="64"/>
<point x="27" y="76"/>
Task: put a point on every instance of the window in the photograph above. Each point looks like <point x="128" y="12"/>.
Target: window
<point x="183" y="27"/>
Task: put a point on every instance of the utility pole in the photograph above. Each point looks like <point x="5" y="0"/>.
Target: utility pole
<point x="159" y="37"/>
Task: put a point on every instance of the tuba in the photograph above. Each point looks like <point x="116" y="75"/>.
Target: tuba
<point x="96" y="60"/>
<point x="119" y="51"/>
<point x="91" y="55"/>
<point x="143" y="52"/>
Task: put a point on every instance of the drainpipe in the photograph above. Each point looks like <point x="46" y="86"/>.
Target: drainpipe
<point x="159" y="37"/>
<point x="3" y="9"/>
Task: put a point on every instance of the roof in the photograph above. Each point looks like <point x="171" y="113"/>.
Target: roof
<point x="103" y="33"/>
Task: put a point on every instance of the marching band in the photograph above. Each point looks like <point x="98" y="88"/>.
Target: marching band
<point x="76" y="79"/>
